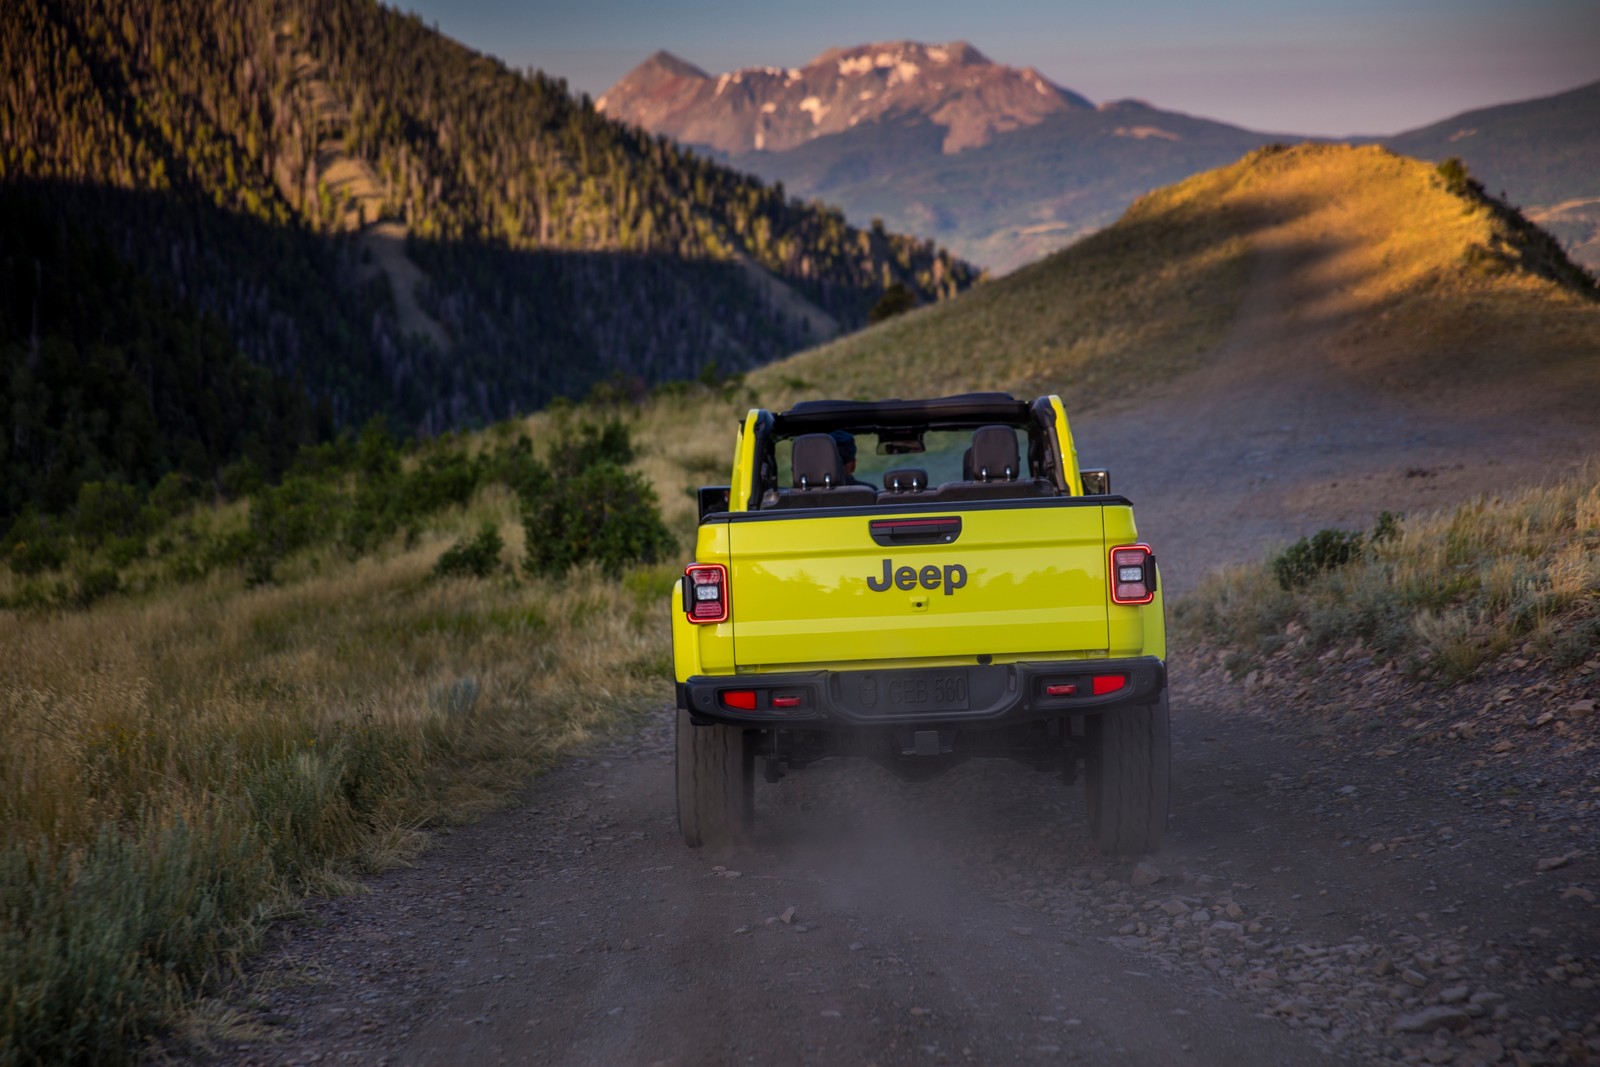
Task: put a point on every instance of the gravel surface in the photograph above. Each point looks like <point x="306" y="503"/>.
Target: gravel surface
<point x="1314" y="903"/>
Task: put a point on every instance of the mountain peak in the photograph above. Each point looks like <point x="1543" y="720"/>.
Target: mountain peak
<point x="768" y="109"/>
<point x="886" y="54"/>
<point x="661" y="74"/>
<point x="664" y="61"/>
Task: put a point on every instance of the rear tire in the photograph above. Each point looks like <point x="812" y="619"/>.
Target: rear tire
<point x="716" y="784"/>
<point x="1129" y="771"/>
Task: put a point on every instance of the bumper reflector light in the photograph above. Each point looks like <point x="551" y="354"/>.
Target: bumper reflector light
<point x="742" y="699"/>
<point x="1108" y="683"/>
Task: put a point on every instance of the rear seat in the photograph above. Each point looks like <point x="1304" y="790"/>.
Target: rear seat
<point x="819" y="478"/>
<point x="994" y="471"/>
<point x="905" y="480"/>
<point x="992" y="466"/>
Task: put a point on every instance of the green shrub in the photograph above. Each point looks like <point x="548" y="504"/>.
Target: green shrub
<point x="1327" y="550"/>
<point x="443" y="479"/>
<point x="105" y="510"/>
<point x="123" y="551"/>
<point x="896" y="300"/>
<point x="1456" y="178"/>
<point x="1387" y="528"/>
<point x="617" y="390"/>
<point x="173" y="493"/>
<point x="291" y="516"/>
<point x="1578" y="644"/>
<point x="377" y="452"/>
<point x="514" y="466"/>
<point x="34" y="544"/>
<point x="94" y="584"/>
<point x="239" y="480"/>
<point x="592" y="443"/>
<point x="478" y="557"/>
<point x="604" y="514"/>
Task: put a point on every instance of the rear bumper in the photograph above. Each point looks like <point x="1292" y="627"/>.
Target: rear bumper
<point x="973" y="697"/>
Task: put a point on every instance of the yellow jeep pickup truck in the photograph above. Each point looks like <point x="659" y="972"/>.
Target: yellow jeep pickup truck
<point x="919" y="582"/>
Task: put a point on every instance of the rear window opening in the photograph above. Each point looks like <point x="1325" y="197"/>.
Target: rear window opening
<point x="941" y="457"/>
<point x="906" y="465"/>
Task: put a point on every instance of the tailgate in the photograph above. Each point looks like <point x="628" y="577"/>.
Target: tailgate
<point x="831" y="590"/>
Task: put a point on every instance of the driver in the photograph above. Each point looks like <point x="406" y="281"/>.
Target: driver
<point x="847" y="456"/>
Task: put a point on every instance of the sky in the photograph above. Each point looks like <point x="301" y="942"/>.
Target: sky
<point x="1315" y="67"/>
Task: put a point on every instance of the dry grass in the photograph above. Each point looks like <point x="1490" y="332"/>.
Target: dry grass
<point x="1449" y="592"/>
<point x="210" y="751"/>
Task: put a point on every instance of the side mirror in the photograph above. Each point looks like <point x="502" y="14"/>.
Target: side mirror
<point x="1096" y="483"/>
<point x="712" y="499"/>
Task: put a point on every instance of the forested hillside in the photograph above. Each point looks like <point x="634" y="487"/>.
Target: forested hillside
<point x="235" y="156"/>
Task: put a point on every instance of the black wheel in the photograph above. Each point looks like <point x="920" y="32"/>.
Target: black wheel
<point x="1129" y="772"/>
<point x="716" y="784"/>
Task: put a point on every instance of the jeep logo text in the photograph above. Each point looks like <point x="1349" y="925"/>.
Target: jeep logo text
<point x="953" y="576"/>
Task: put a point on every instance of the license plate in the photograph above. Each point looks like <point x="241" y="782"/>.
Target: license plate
<point x="929" y="692"/>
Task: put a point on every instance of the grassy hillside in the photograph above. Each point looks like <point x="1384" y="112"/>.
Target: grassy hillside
<point x="266" y="697"/>
<point x="1417" y="283"/>
<point x="1542" y="154"/>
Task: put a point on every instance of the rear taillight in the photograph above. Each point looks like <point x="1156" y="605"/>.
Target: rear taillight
<point x="705" y="593"/>
<point x="1133" y="574"/>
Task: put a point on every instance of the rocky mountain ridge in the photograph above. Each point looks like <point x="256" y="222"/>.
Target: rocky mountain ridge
<point x="770" y="109"/>
<point x="998" y="163"/>
<point x="1003" y="166"/>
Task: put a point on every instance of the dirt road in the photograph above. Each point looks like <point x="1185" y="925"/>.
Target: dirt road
<point x="1308" y="907"/>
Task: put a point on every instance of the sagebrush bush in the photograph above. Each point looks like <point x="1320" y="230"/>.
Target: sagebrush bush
<point x="1328" y="549"/>
<point x="478" y="557"/>
<point x="100" y="941"/>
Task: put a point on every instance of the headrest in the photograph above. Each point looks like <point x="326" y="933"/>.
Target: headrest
<point x="816" y="462"/>
<point x="994" y="454"/>
<point x="906" y="480"/>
